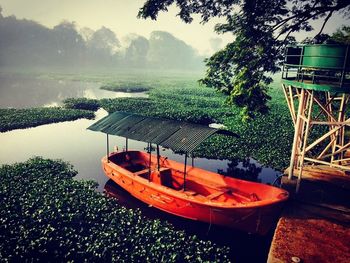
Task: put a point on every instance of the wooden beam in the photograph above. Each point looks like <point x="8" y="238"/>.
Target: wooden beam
<point x="347" y="168"/>
<point x="296" y="135"/>
<point x="323" y="137"/>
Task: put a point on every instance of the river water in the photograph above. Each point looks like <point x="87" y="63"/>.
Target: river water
<point x="24" y="91"/>
<point x="72" y="142"/>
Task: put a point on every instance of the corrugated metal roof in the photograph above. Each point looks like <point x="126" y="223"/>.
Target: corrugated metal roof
<point x="176" y="135"/>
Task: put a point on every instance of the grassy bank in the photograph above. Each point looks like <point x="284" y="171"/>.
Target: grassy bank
<point x="46" y="214"/>
<point x="11" y="119"/>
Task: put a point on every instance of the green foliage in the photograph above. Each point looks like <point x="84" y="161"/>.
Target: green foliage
<point x="47" y="215"/>
<point x="81" y="104"/>
<point x="126" y="87"/>
<point x="342" y="35"/>
<point x="11" y="119"/>
<point x="194" y="104"/>
<point x="261" y="29"/>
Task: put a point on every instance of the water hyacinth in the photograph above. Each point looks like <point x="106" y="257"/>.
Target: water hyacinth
<point x="131" y="87"/>
<point x="258" y="138"/>
<point x="47" y="215"/>
<point x="11" y="119"/>
<point x="81" y="104"/>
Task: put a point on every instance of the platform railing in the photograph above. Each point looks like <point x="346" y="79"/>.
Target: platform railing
<point x="318" y="64"/>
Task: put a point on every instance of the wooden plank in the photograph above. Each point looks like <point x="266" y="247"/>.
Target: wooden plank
<point x="216" y="194"/>
<point x="142" y="171"/>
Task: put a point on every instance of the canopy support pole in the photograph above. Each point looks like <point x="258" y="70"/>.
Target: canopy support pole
<point x="185" y="171"/>
<point x="150" y="161"/>
<point x="192" y="160"/>
<point x="107" y="149"/>
<point x="158" y="157"/>
<point x="126" y="143"/>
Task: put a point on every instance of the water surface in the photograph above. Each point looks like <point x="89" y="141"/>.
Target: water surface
<point x="72" y="142"/>
<point x="24" y="91"/>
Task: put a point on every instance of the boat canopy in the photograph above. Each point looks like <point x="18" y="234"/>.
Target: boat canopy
<point x="176" y="135"/>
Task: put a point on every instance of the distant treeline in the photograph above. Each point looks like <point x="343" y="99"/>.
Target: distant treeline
<point x="26" y="43"/>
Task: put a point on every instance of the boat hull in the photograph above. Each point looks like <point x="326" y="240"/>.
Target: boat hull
<point x="244" y="216"/>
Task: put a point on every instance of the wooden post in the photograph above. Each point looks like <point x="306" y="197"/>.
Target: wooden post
<point x="158" y="157"/>
<point x="126" y="144"/>
<point x="296" y="135"/>
<point x="107" y="149"/>
<point x="185" y="171"/>
<point x="150" y="161"/>
<point x="309" y="104"/>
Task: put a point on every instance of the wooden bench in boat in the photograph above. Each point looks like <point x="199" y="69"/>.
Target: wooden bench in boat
<point x="142" y="172"/>
<point x="234" y="192"/>
<point x="219" y="193"/>
<point x="192" y="193"/>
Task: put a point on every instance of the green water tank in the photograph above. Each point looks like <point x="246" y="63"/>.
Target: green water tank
<point x="324" y="67"/>
<point x="325" y="56"/>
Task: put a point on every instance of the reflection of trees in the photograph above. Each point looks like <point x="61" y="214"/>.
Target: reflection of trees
<point x="249" y="171"/>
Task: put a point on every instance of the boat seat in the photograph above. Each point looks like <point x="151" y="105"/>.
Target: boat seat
<point x="217" y="194"/>
<point x="192" y="193"/>
<point x="142" y="171"/>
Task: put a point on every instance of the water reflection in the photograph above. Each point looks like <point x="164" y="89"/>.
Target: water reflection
<point x="22" y="91"/>
<point x="243" y="247"/>
<point x="71" y="142"/>
<point x="245" y="170"/>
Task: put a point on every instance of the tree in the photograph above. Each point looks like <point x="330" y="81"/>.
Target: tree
<point x="342" y="35"/>
<point x="136" y="52"/>
<point x="69" y="44"/>
<point x="166" y="51"/>
<point x="261" y="29"/>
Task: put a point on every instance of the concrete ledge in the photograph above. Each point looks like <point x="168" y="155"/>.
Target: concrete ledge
<point x="310" y="238"/>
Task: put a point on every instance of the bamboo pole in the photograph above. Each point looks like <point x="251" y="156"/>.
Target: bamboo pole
<point x="347" y="168"/>
<point x="309" y="105"/>
<point x="289" y="99"/>
<point x="296" y="135"/>
<point x="323" y="137"/>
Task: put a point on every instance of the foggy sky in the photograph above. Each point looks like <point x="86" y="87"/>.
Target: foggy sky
<point x="120" y="16"/>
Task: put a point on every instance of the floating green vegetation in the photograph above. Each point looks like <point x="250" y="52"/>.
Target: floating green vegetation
<point x="81" y="104"/>
<point x="11" y="119"/>
<point x="126" y="87"/>
<point x="267" y="138"/>
<point x="46" y="214"/>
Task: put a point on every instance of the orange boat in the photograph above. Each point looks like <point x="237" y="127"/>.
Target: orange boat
<point x="187" y="191"/>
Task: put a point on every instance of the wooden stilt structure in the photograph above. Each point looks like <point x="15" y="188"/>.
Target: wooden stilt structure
<point x="316" y="86"/>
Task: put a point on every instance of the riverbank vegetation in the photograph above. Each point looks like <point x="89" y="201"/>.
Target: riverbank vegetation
<point x="46" y="214"/>
<point x="11" y="119"/>
<point x="81" y="104"/>
<point x="132" y="87"/>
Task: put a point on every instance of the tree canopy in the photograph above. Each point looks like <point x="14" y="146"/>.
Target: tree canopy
<point x="66" y="46"/>
<point x="261" y="28"/>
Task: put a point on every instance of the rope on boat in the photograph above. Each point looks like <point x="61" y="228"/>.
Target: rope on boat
<point x="276" y="180"/>
<point x="210" y="223"/>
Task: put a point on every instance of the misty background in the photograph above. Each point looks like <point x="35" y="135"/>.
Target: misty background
<point x="27" y="44"/>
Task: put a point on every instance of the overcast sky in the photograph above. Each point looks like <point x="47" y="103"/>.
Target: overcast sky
<point x="120" y="16"/>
